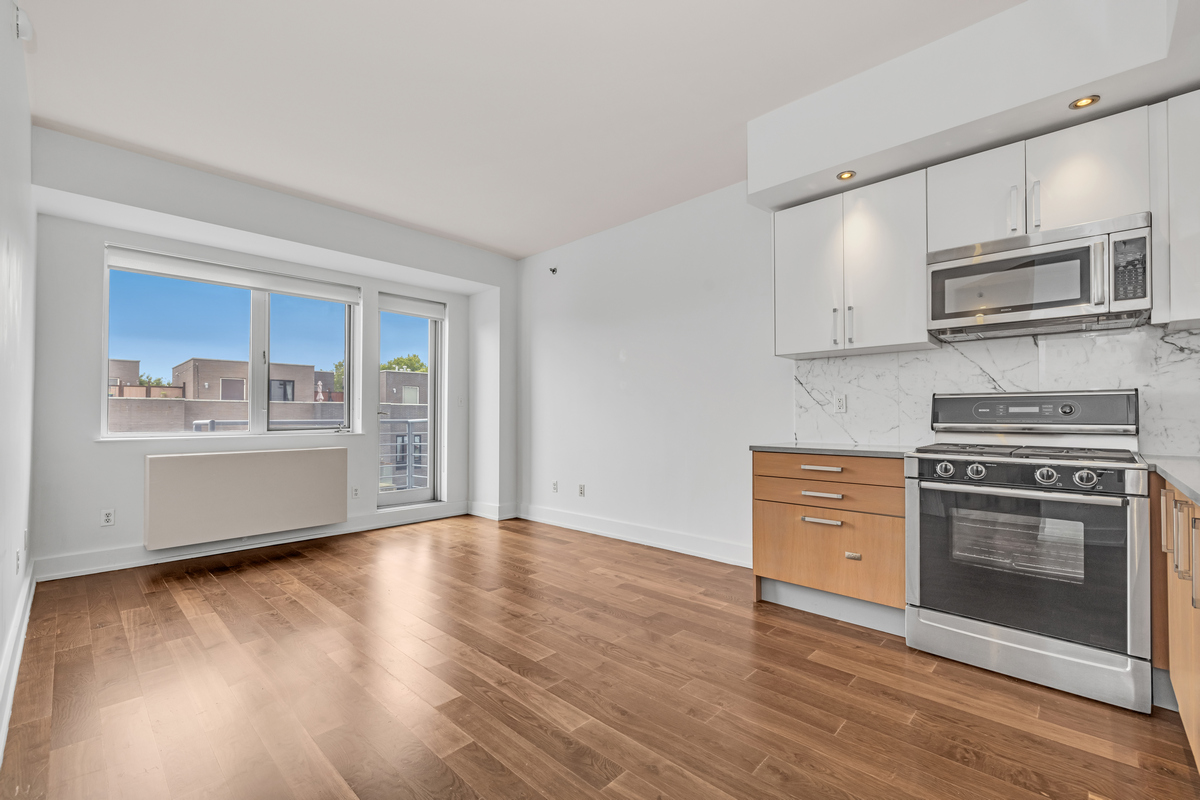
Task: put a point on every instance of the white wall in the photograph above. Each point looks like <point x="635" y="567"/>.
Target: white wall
<point x="88" y="192"/>
<point x="646" y="371"/>
<point x="76" y="473"/>
<point x="16" y="354"/>
<point x="83" y="180"/>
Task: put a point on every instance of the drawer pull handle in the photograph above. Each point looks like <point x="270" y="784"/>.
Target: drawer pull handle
<point x="820" y="521"/>
<point x="830" y="495"/>
<point x="854" y="556"/>
<point x="820" y="468"/>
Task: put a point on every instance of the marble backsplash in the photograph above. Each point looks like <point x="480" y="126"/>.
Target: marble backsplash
<point x="888" y="395"/>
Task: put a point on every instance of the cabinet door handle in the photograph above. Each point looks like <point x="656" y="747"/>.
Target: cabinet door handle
<point x="1175" y="534"/>
<point x="1037" y="204"/>
<point x="1166" y="507"/>
<point x="820" y="521"/>
<point x="1013" y="208"/>
<point x="850" y="324"/>
<point x="1192" y="550"/>
<point x="835" y="336"/>
<point x="1183" y="527"/>
<point x="830" y="495"/>
<point x="854" y="556"/>
<point x="820" y="468"/>
<point x="1099" y="273"/>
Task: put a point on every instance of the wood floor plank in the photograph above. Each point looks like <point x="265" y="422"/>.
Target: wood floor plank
<point x="468" y="659"/>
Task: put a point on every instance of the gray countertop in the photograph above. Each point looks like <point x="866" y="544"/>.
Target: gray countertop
<point x="1183" y="472"/>
<point x="831" y="449"/>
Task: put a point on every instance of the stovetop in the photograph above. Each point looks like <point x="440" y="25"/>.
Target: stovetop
<point x="1068" y="454"/>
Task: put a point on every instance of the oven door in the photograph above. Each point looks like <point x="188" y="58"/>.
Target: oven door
<point x="1070" y="566"/>
<point x="1043" y="282"/>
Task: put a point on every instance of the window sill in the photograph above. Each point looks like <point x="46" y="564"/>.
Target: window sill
<point x="208" y="437"/>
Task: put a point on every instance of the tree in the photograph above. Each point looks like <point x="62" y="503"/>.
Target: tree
<point x="339" y="375"/>
<point x="408" y="363"/>
<point x="145" y="380"/>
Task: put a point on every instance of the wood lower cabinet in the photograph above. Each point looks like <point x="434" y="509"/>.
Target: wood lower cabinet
<point x="1177" y="524"/>
<point x="841" y="533"/>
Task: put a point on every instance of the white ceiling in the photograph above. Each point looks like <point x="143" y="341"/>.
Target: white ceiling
<point x="516" y="126"/>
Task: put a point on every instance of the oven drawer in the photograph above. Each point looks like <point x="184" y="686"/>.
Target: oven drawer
<point x="842" y="469"/>
<point x="828" y="494"/>
<point x="861" y="557"/>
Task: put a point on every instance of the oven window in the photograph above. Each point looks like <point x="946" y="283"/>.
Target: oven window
<point x="1011" y="285"/>
<point x="1022" y="545"/>
<point x="1050" y="567"/>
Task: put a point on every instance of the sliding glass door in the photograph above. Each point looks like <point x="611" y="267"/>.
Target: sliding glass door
<point x="408" y="377"/>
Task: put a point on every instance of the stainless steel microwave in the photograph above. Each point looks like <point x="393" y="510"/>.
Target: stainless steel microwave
<point x="1089" y="277"/>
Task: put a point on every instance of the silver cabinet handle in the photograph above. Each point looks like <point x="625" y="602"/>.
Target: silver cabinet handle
<point x="1192" y="551"/>
<point x="820" y="521"/>
<point x="835" y="336"/>
<point x="1099" y="273"/>
<point x="854" y="556"/>
<point x="1037" y="204"/>
<point x="850" y="324"/>
<point x="1184" y="520"/>
<point x="820" y="468"/>
<point x="1013" y="208"/>
<point x="830" y="495"/>
<point x="1167" y="502"/>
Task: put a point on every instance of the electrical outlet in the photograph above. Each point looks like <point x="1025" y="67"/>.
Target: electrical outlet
<point x="108" y="517"/>
<point x="354" y="492"/>
<point x="581" y="490"/>
<point x="554" y="486"/>
<point x="839" y="406"/>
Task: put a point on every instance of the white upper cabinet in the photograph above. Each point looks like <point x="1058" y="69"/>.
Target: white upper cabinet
<point x="1094" y="171"/>
<point x="978" y="198"/>
<point x="1183" y="156"/>
<point x="850" y="272"/>
<point x="885" y="272"/>
<point x="808" y="278"/>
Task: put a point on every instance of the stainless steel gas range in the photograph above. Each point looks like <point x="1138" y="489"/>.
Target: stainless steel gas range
<point x="1027" y="541"/>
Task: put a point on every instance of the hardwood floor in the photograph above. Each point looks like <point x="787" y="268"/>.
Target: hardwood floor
<point x="471" y="659"/>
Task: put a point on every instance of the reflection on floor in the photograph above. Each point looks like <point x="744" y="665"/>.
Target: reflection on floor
<point x="466" y="658"/>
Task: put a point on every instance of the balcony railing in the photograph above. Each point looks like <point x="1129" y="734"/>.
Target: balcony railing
<point x="403" y="454"/>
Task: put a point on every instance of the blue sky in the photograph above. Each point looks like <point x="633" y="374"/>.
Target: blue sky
<point x="163" y="322"/>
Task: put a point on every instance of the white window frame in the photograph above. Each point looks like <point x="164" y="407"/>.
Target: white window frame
<point x="261" y="284"/>
<point x="436" y="313"/>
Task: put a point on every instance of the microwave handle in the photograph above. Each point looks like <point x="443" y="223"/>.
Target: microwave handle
<point x="1014" y="208"/>
<point x="1037" y="204"/>
<point x="1099" y="273"/>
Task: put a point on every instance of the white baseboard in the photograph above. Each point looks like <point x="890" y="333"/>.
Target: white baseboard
<point x="495" y="511"/>
<point x="678" y="541"/>
<point x="71" y="564"/>
<point x="14" y="646"/>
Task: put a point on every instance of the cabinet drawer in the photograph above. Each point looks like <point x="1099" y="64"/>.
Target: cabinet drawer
<point x="842" y="469"/>
<point x="867" y="498"/>
<point x="788" y="546"/>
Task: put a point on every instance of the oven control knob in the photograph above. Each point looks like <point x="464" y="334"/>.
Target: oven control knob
<point x="944" y="469"/>
<point x="976" y="471"/>
<point x="1045" y="475"/>
<point x="1086" y="478"/>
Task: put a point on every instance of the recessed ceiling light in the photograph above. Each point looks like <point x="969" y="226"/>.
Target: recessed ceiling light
<point x="1084" y="102"/>
<point x="847" y="175"/>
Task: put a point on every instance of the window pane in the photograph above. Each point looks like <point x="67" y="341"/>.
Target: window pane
<point x="404" y="422"/>
<point x="172" y="344"/>
<point x="308" y="357"/>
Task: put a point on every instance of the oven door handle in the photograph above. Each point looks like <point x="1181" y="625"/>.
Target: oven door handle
<point x="1026" y="494"/>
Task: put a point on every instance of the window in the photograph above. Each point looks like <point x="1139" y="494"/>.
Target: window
<point x="282" y="391"/>
<point x="201" y="348"/>
<point x="233" y="388"/>
<point x="408" y="374"/>
<point x="308" y="339"/>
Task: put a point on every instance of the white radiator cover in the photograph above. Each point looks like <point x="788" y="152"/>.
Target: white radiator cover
<point x="209" y="497"/>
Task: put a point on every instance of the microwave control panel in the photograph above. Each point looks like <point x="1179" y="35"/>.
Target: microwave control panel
<point x="1129" y="268"/>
